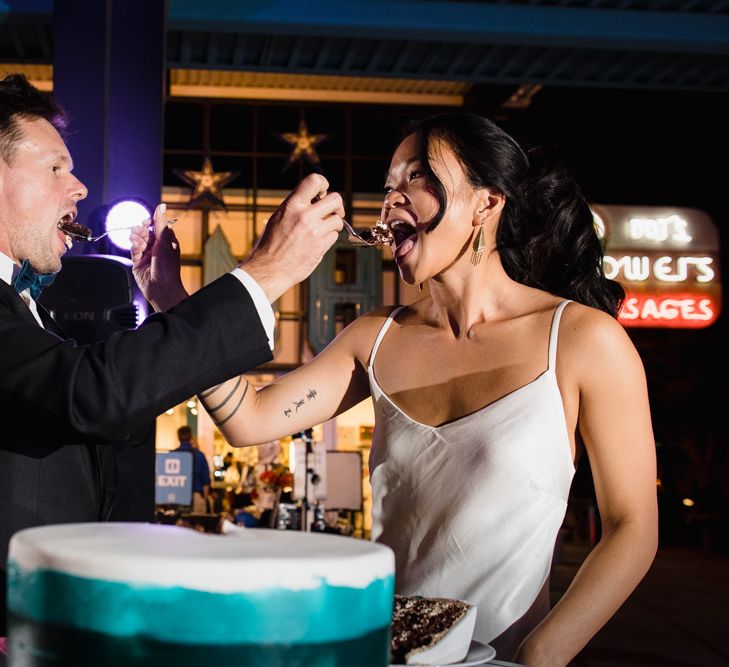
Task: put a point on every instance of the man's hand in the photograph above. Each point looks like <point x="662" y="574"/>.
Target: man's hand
<point x="296" y="237"/>
<point x="156" y="262"/>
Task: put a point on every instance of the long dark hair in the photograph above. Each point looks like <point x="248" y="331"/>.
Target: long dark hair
<point x="546" y="236"/>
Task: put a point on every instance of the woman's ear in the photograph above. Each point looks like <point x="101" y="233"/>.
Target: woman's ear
<point x="489" y="205"/>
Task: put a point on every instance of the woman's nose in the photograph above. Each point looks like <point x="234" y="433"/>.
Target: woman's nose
<point x="393" y="198"/>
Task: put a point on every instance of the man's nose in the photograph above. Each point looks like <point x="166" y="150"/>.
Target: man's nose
<point x="78" y="190"/>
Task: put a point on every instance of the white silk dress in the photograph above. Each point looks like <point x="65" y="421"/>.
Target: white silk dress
<point x="472" y="508"/>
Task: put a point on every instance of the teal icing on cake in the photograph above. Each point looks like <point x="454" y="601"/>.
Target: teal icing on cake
<point x="315" y="615"/>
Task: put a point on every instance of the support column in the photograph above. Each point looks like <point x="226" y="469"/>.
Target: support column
<point x="109" y="74"/>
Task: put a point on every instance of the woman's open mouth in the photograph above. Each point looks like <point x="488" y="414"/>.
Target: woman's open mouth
<point x="405" y="236"/>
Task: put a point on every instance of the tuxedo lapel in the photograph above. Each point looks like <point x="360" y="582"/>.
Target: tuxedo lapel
<point x="48" y="322"/>
<point x="20" y="309"/>
<point x="15" y="302"/>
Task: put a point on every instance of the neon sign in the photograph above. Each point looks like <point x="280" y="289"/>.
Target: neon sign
<point x="638" y="268"/>
<point x="667" y="261"/>
<point x="690" y="311"/>
<point x="660" y="229"/>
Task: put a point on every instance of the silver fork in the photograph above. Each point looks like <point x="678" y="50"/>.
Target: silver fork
<point x="363" y="238"/>
<point x="91" y="239"/>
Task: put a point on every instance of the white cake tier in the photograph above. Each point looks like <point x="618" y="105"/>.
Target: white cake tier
<point x="140" y="553"/>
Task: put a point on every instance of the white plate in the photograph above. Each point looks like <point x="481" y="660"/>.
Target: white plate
<point x="478" y="654"/>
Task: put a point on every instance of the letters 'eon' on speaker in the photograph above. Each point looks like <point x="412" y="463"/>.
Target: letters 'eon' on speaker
<point x="93" y="296"/>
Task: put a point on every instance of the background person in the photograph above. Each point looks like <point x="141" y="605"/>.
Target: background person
<point x="200" y="471"/>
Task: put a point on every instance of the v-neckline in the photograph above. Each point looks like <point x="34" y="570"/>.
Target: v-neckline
<point x="549" y="371"/>
<point x="451" y="422"/>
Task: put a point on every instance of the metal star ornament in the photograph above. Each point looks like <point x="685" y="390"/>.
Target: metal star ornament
<point x="207" y="185"/>
<point x="303" y="144"/>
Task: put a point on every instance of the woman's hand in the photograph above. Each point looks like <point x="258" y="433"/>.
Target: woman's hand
<point x="156" y="262"/>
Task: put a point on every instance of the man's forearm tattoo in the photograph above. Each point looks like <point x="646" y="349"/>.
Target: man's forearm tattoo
<point x="223" y="411"/>
<point x="310" y="396"/>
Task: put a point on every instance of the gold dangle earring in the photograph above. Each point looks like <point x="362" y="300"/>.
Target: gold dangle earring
<point x="479" y="244"/>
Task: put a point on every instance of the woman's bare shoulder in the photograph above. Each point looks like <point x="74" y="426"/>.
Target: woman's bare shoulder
<point x="595" y="339"/>
<point x="586" y="321"/>
<point x="362" y="332"/>
<point x="374" y="319"/>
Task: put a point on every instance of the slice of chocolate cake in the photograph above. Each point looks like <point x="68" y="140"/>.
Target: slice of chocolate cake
<point x="430" y="631"/>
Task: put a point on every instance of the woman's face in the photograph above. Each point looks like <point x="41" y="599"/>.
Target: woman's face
<point x="410" y="206"/>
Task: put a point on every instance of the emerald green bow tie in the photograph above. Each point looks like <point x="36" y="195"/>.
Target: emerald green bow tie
<point x="27" y="278"/>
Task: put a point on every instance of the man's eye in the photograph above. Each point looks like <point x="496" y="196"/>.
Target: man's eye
<point x="387" y="190"/>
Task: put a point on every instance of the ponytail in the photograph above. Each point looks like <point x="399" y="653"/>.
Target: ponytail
<point x="549" y="241"/>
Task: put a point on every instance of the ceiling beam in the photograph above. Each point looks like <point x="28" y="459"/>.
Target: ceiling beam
<point x="466" y="22"/>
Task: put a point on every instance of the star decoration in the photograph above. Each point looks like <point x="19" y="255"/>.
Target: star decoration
<point x="207" y="185"/>
<point x="303" y="144"/>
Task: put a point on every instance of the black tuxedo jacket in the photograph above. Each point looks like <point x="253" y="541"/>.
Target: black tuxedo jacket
<point x="62" y="403"/>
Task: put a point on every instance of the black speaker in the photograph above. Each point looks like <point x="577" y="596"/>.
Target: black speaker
<point x="92" y="297"/>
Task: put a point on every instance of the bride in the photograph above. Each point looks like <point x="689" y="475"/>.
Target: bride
<point x="486" y="391"/>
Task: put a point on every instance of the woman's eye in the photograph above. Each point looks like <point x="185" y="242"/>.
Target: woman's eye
<point x="415" y="174"/>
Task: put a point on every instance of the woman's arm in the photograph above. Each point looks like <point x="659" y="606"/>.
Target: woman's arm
<point x="614" y="422"/>
<point x="331" y="383"/>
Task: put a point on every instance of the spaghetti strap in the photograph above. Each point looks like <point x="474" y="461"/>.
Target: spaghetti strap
<point x="554" y="333"/>
<point x="382" y="332"/>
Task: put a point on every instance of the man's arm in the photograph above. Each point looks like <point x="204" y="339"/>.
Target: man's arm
<point x="104" y="391"/>
<point x="101" y="392"/>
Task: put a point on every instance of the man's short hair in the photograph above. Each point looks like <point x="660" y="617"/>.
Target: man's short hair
<point x="184" y="433"/>
<point x="21" y="100"/>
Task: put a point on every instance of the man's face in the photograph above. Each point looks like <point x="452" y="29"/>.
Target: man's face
<point x="37" y="190"/>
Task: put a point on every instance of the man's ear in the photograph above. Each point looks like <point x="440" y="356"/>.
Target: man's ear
<point x="489" y="205"/>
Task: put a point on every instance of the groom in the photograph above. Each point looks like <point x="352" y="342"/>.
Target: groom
<point x="64" y="404"/>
